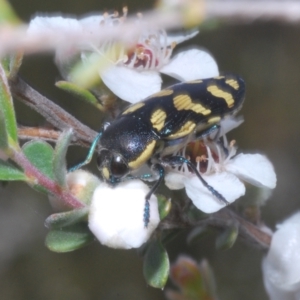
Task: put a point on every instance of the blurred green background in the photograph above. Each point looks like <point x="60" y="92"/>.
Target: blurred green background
<point x="267" y="55"/>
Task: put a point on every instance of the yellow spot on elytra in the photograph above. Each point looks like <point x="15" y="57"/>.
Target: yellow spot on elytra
<point x="219" y="77"/>
<point x="143" y="157"/>
<point x="214" y="120"/>
<point x="233" y="83"/>
<point x="195" y="81"/>
<point x="133" y="108"/>
<point x="217" y="92"/>
<point x="158" y="119"/>
<point x="184" y="102"/>
<point x="105" y="173"/>
<point x="162" y="93"/>
<point x="185" y="129"/>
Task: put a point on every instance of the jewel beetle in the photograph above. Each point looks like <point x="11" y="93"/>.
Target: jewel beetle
<point x="150" y="131"/>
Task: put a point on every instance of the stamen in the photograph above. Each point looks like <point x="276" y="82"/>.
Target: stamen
<point x="125" y="11"/>
<point x="210" y="160"/>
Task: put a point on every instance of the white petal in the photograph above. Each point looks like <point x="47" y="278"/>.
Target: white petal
<point x="40" y="25"/>
<point x="281" y="266"/>
<point x="191" y="65"/>
<point x="253" y="168"/>
<point x="91" y="25"/>
<point x="228" y="185"/>
<point x="174" y="180"/>
<point x="230" y="123"/>
<point x="179" y="38"/>
<point x="91" y="21"/>
<point x="131" y="85"/>
<point x="116" y="215"/>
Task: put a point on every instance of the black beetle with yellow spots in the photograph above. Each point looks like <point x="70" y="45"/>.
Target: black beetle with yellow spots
<point x="152" y="130"/>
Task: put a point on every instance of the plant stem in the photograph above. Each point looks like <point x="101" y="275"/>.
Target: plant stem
<point x="40" y="179"/>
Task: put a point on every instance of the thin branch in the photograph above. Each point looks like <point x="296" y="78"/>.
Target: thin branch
<point x="50" y="135"/>
<point x="186" y="14"/>
<point x="31" y="133"/>
<point x="248" y="11"/>
<point x="54" y="114"/>
<point x="222" y="219"/>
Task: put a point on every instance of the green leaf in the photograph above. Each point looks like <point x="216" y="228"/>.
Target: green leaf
<point x="170" y="235"/>
<point x="7" y="108"/>
<point x="7" y="14"/>
<point x="86" y="73"/>
<point x="69" y="238"/>
<point x="227" y="239"/>
<point x="3" y="133"/>
<point x="194" y="281"/>
<point x="208" y="279"/>
<point x="68" y="218"/>
<point x="59" y="161"/>
<point x="40" y="154"/>
<point x="194" y="214"/>
<point x="164" y="206"/>
<point x="156" y="265"/>
<point x="11" y="63"/>
<point x="197" y="234"/>
<point x="9" y="172"/>
<point x="80" y="92"/>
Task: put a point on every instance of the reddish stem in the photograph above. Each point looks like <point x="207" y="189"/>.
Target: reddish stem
<point x="40" y="179"/>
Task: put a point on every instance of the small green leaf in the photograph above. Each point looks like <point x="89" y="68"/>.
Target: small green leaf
<point x="7" y="14"/>
<point x="3" y="133"/>
<point x="80" y="92"/>
<point x="68" y="218"/>
<point x="227" y="238"/>
<point x="164" y="206"/>
<point x="40" y="154"/>
<point x="170" y="235"/>
<point x="194" y="281"/>
<point x="156" y="265"/>
<point x="197" y="234"/>
<point x="69" y="238"/>
<point x="9" y="172"/>
<point x="7" y="108"/>
<point x="11" y="64"/>
<point x="59" y="161"/>
<point x="194" y="214"/>
<point x="208" y="279"/>
<point x="86" y="73"/>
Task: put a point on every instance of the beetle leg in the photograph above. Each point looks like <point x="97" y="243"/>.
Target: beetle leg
<point x="179" y="160"/>
<point x="217" y="138"/>
<point x="206" y="132"/>
<point x="90" y="154"/>
<point x="161" y="172"/>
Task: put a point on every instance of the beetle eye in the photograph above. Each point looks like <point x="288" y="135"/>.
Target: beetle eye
<point x="118" y="167"/>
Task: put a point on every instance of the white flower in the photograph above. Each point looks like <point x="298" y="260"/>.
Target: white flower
<point x="223" y="171"/>
<point x="131" y="74"/>
<point x="281" y="266"/>
<point x="116" y="214"/>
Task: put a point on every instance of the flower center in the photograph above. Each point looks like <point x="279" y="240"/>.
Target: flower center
<point x="209" y="156"/>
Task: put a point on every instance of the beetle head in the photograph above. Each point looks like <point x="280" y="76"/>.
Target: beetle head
<point x="112" y="166"/>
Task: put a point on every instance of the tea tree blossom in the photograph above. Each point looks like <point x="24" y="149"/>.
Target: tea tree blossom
<point x="281" y="266"/>
<point x="131" y="74"/>
<point x="221" y="169"/>
<point x="116" y="214"/>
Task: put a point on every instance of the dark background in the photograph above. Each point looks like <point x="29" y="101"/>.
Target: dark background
<point x="267" y="55"/>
